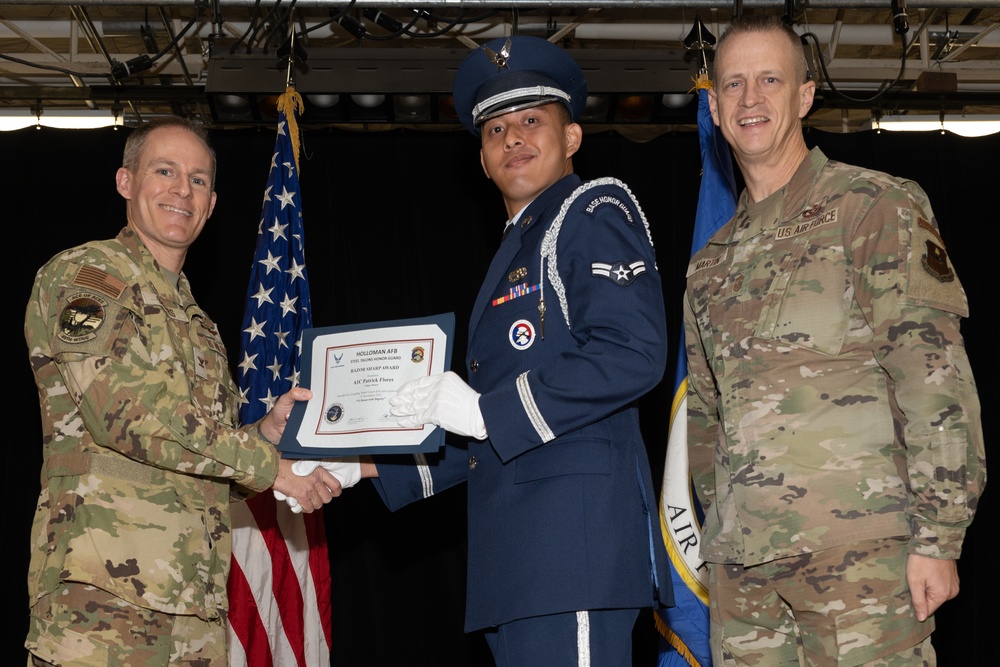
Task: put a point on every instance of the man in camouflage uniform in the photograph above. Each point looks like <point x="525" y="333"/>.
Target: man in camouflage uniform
<point x="834" y="427"/>
<point x="131" y="542"/>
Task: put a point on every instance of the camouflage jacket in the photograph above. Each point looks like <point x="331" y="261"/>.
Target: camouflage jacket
<point x="139" y="431"/>
<point x="830" y="399"/>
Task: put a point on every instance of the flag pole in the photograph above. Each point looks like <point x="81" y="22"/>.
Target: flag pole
<point x="279" y="584"/>
<point x="290" y="102"/>
<point x="684" y="628"/>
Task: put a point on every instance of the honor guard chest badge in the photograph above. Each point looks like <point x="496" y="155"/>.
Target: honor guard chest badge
<point x="521" y="335"/>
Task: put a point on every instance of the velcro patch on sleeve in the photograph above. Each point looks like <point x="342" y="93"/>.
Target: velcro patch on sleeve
<point x="932" y="277"/>
<point x="93" y="278"/>
<point x="84" y="314"/>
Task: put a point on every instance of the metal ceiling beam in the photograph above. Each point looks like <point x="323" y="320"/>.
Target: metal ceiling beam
<point x="952" y="55"/>
<point x="508" y="4"/>
<point x="868" y="34"/>
<point x="163" y="94"/>
<point x="978" y="77"/>
<point x="94" y="65"/>
<point x="910" y="101"/>
<point x="973" y="73"/>
<point x="433" y="71"/>
<point x="112" y="94"/>
<point x="102" y="94"/>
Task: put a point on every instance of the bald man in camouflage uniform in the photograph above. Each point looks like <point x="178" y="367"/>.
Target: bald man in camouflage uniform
<point x="142" y="451"/>
<point x="834" y="427"/>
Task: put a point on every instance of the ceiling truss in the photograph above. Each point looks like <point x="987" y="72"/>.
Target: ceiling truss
<point x="149" y="57"/>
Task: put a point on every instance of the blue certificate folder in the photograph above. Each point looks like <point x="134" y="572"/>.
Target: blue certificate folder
<point x="292" y="448"/>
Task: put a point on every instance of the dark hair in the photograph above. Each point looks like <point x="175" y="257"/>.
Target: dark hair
<point x="756" y="23"/>
<point x="564" y="113"/>
<point x="137" y="140"/>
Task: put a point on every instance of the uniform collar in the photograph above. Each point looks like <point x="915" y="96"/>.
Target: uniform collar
<point x="558" y="190"/>
<point x="151" y="274"/>
<point x="785" y="204"/>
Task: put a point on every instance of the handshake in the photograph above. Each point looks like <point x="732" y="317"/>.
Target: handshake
<point x="346" y="470"/>
<point x="444" y="400"/>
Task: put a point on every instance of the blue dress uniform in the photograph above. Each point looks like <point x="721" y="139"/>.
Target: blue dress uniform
<point x="568" y="330"/>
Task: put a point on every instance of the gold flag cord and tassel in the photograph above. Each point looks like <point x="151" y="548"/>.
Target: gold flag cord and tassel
<point x="701" y="82"/>
<point x="291" y="104"/>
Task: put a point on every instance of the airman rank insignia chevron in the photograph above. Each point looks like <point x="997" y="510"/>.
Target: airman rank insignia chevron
<point x="620" y="273"/>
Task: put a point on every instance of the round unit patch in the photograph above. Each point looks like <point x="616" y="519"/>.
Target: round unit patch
<point x="521" y="334"/>
<point x="81" y="318"/>
<point x="417" y="354"/>
<point x="334" y="413"/>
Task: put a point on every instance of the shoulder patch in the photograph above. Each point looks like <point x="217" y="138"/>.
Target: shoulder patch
<point x="935" y="258"/>
<point x="551" y="239"/>
<point x="609" y="200"/>
<point x="82" y="317"/>
<point x="932" y="278"/>
<point x="93" y="278"/>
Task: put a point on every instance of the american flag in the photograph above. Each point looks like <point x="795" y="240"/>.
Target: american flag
<point x="279" y="584"/>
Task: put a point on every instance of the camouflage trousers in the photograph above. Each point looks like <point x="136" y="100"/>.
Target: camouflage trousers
<point x="84" y="626"/>
<point x="844" y="606"/>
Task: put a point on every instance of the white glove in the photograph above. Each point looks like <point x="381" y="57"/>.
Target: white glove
<point x="347" y="470"/>
<point x="291" y="502"/>
<point x="443" y="400"/>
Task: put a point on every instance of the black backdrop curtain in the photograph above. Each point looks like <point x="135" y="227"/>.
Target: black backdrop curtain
<point x="403" y="224"/>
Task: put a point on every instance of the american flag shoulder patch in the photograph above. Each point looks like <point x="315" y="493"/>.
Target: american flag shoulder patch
<point x="101" y="281"/>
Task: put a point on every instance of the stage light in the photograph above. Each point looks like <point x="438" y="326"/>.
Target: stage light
<point x="322" y="100"/>
<point x="676" y="100"/>
<point x="80" y="119"/>
<point x="979" y="126"/>
<point x="368" y="101"/>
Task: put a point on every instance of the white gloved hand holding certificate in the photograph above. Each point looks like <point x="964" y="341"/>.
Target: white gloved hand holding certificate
<point x="444" y="400"/>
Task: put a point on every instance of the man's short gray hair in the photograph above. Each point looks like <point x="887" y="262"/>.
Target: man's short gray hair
<point x="756" y="23"/>
<point x="137" y="140"/>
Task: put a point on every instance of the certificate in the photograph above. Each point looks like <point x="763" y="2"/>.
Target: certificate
<point x="353" y="371"/>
